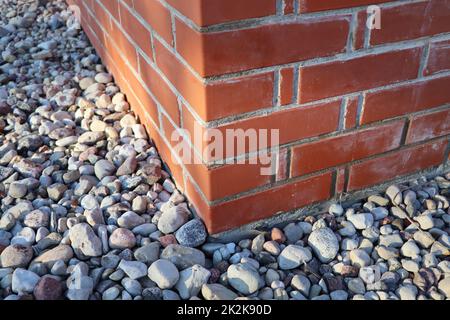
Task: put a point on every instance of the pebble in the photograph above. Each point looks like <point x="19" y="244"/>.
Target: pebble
<point x="84" y="241"/>
<point x="122" y="239"/>
<point x="16" y="256"/>
<point x="88" y="205"/>
<point x="243" y="278"/>
<point x="301" y="284"/>
<point x="172" y="220"/>
<point x="293" y="256"/>
<point x="133" y="269"/>
<point x="361" y="221"/>
<point x="24" y="281"/>
<point x="148" y="253"/>
<point x="164" y="273"/>
<point x="324" y="243"/>
<point x="192" y="234"/>
<point x="183" y="257"/>
<point x="48" y="288"/>
<point x="191" y="281"/>
<point x="359" y="258"/>
<point x="217" y="291"/>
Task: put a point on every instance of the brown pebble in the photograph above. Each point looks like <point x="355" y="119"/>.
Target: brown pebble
<point x="277" y="235"/>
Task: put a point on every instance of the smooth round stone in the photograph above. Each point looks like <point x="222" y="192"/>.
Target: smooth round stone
<point x="356" y="286"/>
<point x="173" y="219"/>
<point x="24" y="281"/>
<point x="293" y="232"/>
<point x="243" y="278"/>
<point x="424" y="239"/>
<point x="394" y="193"/>
<point x="148" y="253"/>
<point x="17" y="190"/>
<point x="379" y="213"/>
<point x="122" y="239"/>
<point x="104" y="168"/>
<point x="129" y="220"/>
<point x="370" y="274"/>
<point x="324" y="243"/>
<point x="359" y="258"/>
<point x="336" y="210"/>
<point x="84" y="240"/>
<point x="61" y="252"/>
<point x="192" y="234"/>
<point x="293" y="256"/>
<point x="347" y="229"/>
<point x="217" y="291"/>
<point x="339" y="295"/>
<point x="16" y="256"/>
<point x="133" y="287"/>
<point x="301" y="284"/>
<point x="361" y="221"/>
<point x="407" y="292"/>
<point x="410" y="249"/>
<point x="444" y="286"/>
<point x="111" y="293"/>
<point x="133" y="269"/>
<point x="183" y="257"/>
<point x="103" y="78"/>
<point x="48" y="288"/>
<point x="191" y="281"/>
<point x="163" y="273"/>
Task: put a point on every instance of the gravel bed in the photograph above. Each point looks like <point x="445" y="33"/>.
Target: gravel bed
<point x="88" y="211"/>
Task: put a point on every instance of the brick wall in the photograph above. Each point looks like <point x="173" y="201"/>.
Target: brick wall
<point x="355" y="107"/>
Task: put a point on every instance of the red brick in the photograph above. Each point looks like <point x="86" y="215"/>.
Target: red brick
<point x="225" y="180"/>
<point x="220" y="98"/>
<point x="264" y="204"/>
<point x="286" y="86"/>
<point x="125" y="46"/>
<point x="160" y="89"/>
<point x="112" y="6"/>
<point x="360" y="32"/>
<point x="396" y="164"/>
<point x="322" y="5"/>
<point x="136" y="30"/>
<point x="101" y="16"/>
<point x="261" y="46"/>
<point x="405" y="99"/>
<point x="235" y="178"/>
<point x="289" y="6"/>
<point x="340" y="181"/>
<point x="412" y="20"/>
<point x="282" y="165"/>
<point x="293" y="124"/>
<point x="157" y="16"/>
<point x="429" y="126"/>
<point x="239" y="95"/>
<point x="205" y="13"/>
<point x="438" y="59"/>
<point x="346" y="76"/>
<point x="351" y="113"/>
<point x="334" y="151"/>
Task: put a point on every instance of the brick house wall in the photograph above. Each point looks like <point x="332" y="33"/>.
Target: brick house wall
<point x="355" y="106"/>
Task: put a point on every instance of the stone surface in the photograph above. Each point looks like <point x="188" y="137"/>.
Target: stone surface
<point x="217" y="291"/>
<point x="164" y="273"/>
<point x="293" y="256"/>
<point x="84" y="240"/>
<point x="191" y="281"/>
<point x="243" y="278"/>
<point x="192" y="234"/>
<point x="324" y="244"/>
